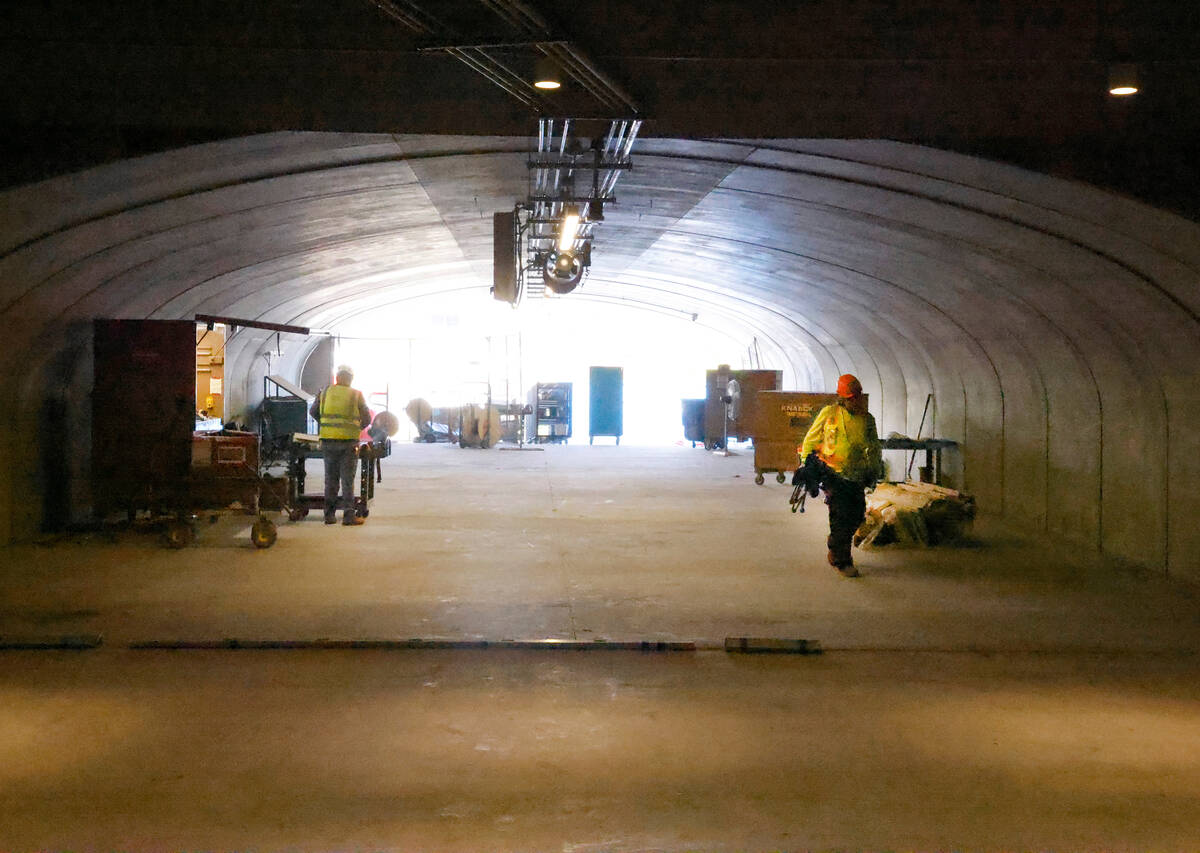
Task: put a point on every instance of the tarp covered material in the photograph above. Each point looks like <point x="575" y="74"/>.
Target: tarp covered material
<point x="912" y="513"/>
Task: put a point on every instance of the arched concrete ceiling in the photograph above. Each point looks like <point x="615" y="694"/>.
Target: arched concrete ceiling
<point x="1056" y="326"/>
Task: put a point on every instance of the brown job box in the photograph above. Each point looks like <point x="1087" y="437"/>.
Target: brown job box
<point x="782" y="418"/>
<point x="230" y="455"/>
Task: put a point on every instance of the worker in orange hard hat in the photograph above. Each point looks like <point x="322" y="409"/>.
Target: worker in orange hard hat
<point x="846" y="443"/>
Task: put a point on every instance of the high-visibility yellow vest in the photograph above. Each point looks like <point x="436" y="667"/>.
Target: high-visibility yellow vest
<point x="846" y="443"/>
<point x="339" y="413"/>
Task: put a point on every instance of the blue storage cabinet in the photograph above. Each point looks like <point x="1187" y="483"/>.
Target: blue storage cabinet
<point x="606" y="407"/>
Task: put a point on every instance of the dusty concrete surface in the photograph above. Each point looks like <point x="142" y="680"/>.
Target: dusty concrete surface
<point x="583" y="542"/>
<point x="1003" y="694"/>
<point x="597" y="751"/>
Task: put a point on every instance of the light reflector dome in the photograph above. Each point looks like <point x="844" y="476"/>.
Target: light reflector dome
<point x="562" y="272"/>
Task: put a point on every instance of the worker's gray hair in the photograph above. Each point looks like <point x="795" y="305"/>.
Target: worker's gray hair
<point x="344" y="370"/>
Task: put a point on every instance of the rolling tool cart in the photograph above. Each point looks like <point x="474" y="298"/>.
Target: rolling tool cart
<point x="550" y="421"/>
<point x="370" y="469"/>
<point x="224" y="477"/>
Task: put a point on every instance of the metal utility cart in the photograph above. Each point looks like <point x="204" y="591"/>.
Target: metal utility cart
<point x="370" y="471"/>
<point x="224" y="477"/>
<point x="550" y="420"/>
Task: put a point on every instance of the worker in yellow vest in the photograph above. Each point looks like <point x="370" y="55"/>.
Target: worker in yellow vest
<point x="342" y="413"/>
<point x="844" y="437"/>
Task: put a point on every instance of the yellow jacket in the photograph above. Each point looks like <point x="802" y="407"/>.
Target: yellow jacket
<point x="846" y="443"/>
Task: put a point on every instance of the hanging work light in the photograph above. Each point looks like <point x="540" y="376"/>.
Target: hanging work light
<point x="562" y="272"/>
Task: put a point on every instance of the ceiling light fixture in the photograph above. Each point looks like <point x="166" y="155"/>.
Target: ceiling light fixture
<point x="1123" y="79"/>
<point x="568" y="230"/>
<point x="546" y="75"/>
<point x="562" y="272"/>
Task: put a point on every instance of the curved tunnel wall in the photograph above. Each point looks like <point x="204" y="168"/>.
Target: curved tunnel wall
<point x="1057" y="327"/>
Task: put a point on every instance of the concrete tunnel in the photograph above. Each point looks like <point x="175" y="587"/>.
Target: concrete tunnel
<point x="1055" y="324"/>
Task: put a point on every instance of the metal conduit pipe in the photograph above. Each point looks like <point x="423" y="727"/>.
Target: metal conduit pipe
<point x="624" y="148"/>
<point x="477" y="66"/>
<point x="562" y="147"/>
<point x="633" y="132"/>
<point x="502" y="13"/>
<point x="520" y="15"/>
<point x="513" y="76"/>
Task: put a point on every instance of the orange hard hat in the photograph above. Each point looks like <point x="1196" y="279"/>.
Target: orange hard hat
<point x="848" y="386"/>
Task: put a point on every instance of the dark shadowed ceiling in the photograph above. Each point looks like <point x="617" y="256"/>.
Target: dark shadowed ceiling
<point x="1020" y="80"/>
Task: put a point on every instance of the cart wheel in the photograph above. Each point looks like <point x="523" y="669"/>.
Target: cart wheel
<point x="296" y="513"/>
<point x="758" y="479"/>
<point x="179" y="534"/>
<point x="779" y="478"/>
<point x="263" y="533"/>
<point x="364" y="512"/>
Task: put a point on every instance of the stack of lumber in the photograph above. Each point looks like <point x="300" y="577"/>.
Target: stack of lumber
<point x="912" y="513"/>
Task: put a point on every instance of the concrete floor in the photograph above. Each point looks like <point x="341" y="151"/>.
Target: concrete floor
<point x="1002" y="694"/>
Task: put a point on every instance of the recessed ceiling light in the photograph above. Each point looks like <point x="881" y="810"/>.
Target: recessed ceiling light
<point x="546" y="75"/>
<point x="1123" y="79"/>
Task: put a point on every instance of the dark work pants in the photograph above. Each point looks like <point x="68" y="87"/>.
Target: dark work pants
<point x="847" y="508"/>
<point x="339" y="471"/>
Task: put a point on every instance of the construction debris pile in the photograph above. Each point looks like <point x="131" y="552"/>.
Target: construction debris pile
<point x="915" y="514"/>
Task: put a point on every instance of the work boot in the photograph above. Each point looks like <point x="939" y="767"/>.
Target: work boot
<point x="353" y="520"/>
<point x="330" y="519"/>
<point x="842" y="561"/>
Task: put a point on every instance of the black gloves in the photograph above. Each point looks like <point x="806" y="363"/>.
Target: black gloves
<point x="811" y="474"/>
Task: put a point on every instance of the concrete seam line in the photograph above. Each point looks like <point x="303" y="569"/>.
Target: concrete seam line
<point x="418" y="644"/>
<point x="771" y="645"/>
<point x="741" y="645"/>
<point x="77" y="642"/>
<point x="1031" y="651"/>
